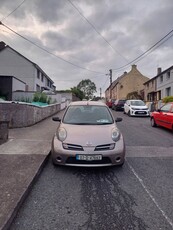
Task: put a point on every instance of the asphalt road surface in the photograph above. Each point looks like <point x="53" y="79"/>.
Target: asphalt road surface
<point x="137" y="196"/>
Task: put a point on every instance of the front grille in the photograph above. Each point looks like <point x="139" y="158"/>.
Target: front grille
<point x="140" y="109"/>
<point x="104" y="147"/>
<point x="72" y="160"/>
<point x="139" y="113"/>
<point x="72" y="147"/>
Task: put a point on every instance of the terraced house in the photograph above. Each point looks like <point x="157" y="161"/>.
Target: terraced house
<point x="159" y="86"/>
<point x="127" y="86"/>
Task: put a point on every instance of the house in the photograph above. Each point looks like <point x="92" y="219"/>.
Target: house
<point x="159" y="86"/>
<point x="128" y="85"/>
<point x="9" y="84"/>
<point x="12" y="63"/>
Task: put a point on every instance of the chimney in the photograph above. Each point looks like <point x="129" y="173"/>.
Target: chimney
<point x="134" y="66"/>
<point x="2" y="45"/>
<point x="159" y="70"/>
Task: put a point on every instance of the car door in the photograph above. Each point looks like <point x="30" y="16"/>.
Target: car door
<point x="165" y="116"/>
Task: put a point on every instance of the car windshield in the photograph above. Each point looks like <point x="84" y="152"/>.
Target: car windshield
<point x="88" y="115"/>
<point x="137" y="103"/>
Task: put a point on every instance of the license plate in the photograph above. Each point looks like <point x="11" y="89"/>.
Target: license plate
<point x="89" y="157"/>
<point x="141" y="112"/>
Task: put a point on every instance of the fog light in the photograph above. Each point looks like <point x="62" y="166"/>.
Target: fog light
<point x="58" y="159"/>
<point x="118" y="159"/>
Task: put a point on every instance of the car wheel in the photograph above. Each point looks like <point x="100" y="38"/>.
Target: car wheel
<point x="153" y="123"/>
<point x="129" y="113"/>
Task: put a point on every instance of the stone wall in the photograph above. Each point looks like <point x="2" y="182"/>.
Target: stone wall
<point x="23" y="114"/>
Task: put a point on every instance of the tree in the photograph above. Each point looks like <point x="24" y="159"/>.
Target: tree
<point x="87" y="87"/>
<point x="77" y="92"/>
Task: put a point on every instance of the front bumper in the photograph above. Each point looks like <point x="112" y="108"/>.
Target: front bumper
<point x="142" y="113"/>
<point x="61" y="156"/>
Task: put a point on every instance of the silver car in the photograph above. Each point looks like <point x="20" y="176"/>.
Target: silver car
<point x="88" y="136"/>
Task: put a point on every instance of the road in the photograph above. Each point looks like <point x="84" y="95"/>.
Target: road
<point x="137" y="196"/>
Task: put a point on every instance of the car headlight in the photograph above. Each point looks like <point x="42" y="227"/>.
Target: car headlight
<point x="132" y="108"/>
<point x="115" y="134"/>
<point x="61" y="134"/>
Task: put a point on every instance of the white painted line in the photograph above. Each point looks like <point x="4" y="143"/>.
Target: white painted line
<point x="148" y="192"/>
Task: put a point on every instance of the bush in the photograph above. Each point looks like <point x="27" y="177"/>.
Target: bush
<point x="36" y="97"/>
<point x="167" y="99"/>
<point x="40" y="97"/>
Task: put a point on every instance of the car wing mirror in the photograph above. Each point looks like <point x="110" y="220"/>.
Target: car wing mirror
<point x="56" y="119"/>
<point x="118" y="119"/>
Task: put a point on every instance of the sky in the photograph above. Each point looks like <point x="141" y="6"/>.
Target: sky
<point x="74" y="40"/>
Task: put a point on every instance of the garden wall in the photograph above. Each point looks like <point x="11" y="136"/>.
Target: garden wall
<point x="23" y="114"/>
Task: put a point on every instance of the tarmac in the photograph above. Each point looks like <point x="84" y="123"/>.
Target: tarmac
<point x="22" y="159"/>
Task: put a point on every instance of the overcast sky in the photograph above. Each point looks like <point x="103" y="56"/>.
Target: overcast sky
<point x="112" y="34"/>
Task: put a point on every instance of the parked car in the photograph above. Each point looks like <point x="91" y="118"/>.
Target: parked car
<point x="118" y="105"/>
<point x="87" y="135"/>
<point x="110" y="102"/>
<point x="136" y="108"/>
<point x="163" y="116"/>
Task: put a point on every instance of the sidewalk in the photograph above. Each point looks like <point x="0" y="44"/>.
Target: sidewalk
<point x="21" y="160"/>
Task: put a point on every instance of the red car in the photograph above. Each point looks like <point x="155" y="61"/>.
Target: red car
<point x="163" y="116"/>
<point x="110" y="102"/>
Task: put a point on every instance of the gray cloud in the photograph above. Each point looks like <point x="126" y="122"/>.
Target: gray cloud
<point x="130" y="27"/>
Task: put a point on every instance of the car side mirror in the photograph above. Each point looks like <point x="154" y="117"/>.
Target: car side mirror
<point x="118" y="119"/>
<point x="56" y="119"/>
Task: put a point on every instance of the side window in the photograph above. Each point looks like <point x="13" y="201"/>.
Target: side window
<point x="166" y="108"/>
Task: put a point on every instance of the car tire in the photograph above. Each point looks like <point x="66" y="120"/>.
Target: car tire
<point x="129" y="113"/>
<point x="153" y="123"/>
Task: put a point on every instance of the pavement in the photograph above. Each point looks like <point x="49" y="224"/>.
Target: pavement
<point x="22" y="159"/>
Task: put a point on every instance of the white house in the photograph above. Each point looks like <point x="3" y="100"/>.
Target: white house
<point x="164" y="83"/>
<point x="12" y="63"/>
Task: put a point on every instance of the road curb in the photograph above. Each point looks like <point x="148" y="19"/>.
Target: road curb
<point x="14" y="212"/>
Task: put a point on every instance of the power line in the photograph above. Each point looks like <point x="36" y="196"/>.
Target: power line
<point x="42" y="48"/>
<point x="116" y="51"/>
<point x="148" y="51"/>
<point x="13" y="11"/>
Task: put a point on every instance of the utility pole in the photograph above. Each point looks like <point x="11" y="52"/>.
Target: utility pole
<point x="110" y="74"/>
<point x="100" y="92"/>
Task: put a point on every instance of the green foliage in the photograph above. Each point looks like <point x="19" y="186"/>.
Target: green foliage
<point x="43" y="98"/>
<point x="40" y="97"/>
<point x="78" y="93"/>
<point x="36" y="96"/>
<point x="49" y="100"/>
<point x="167" y="99"/>
<point x="87" y="87"/>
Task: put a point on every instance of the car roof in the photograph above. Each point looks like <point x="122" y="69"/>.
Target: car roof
<point x="88" y="103"/>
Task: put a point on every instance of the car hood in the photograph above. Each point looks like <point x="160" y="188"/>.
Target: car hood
<point x="87" y="135"/>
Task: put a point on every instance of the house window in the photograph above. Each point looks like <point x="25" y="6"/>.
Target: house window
<point x="161" y="79"/>
<point x="168" y="75"/>
<point x="37" y="87"/>
<point x="38" y="74"/>
<point x="168" y="91"/>
<point x="42" y="77"/>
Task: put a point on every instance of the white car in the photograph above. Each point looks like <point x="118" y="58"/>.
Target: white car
<point x="136" y="108"/>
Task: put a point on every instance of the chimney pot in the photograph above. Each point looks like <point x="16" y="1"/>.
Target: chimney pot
<point x="159" y="70"/>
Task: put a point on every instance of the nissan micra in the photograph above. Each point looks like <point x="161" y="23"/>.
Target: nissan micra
<point x="87" y="135"/>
